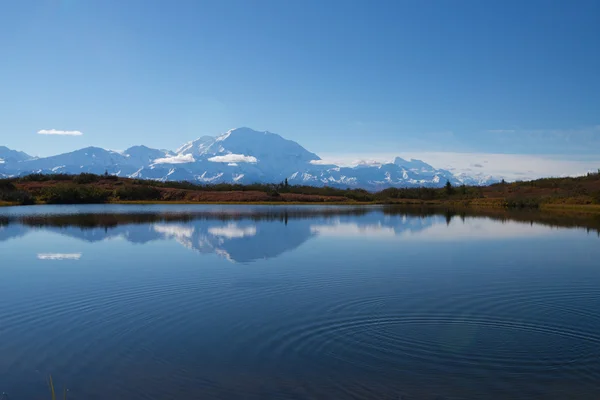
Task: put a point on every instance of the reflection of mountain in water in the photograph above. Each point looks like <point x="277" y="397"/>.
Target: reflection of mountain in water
<point x="245" y="233"/>
<point x="242" y="239"/>
<point x="10" y="231"/>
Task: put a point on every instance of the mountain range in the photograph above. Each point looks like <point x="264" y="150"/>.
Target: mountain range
<point x="240" y="155"/>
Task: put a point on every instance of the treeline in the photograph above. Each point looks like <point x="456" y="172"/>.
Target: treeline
<point x="86" y="188"/>
<point x="91" y="188"/>
<point x="563" y="190"/>
<point x="10" y="194"/>
<point x="128" y="189"/>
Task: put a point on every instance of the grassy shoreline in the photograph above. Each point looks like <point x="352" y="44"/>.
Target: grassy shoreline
<point x="580" y="194"/>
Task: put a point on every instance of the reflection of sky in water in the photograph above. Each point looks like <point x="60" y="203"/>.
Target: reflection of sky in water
<point x="421" y="306"/>
<point x="478" y="229"/>
<point x="246" y="239"/>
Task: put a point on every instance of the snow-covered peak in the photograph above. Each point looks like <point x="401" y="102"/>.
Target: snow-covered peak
<point x="240" y="155"/>
<point x="143" y="156"/>
<point x="196" y="147"/>
<point x="480" y="179"/>
<point x="413" y="164"/>
<point x="264" y="146"/>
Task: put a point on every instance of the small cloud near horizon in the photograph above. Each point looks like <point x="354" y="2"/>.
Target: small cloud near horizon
<point x="178" y="159"/>
<point x="59" y="132"/>
<point x="233" y="158"/>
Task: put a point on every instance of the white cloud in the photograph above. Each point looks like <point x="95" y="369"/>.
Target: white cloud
<point x="320" y="162"/>
<point x="341" y="161"/>
<point x="234" y="158"/>
<point x="178" y="159"/>
<point x="231" y="231"/>
<point x="59" y="132"/>
<point x="59" y="256"/>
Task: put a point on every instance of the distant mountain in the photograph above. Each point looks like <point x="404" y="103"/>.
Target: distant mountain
<point x="478" y="179"/>
<point x="91" y="159"/>
<point x="144" y="156"/>
<point x="240" y="155"/>
<point x="9" y="156"/>
<point x="196" y="147"/>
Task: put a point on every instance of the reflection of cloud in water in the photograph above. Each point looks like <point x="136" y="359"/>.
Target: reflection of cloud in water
<point x="59" y="256"/>
<point x="232" y="230"/>
<point x="181" y="233"/>
<point x="478" y="229"/>
<point x="175" y="230"/>
<point x="249" y="238"/>
<point x="352" y="229"/>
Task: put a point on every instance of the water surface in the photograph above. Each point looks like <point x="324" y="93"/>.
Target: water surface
<point x="251" y="302"/>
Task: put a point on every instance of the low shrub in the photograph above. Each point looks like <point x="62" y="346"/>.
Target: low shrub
<point x="16" y="196"/>
<point x="85" y="178"/>
<point x="72" y="194"/>
<point x="45" y="177"/>
<point x="7" y="185"/>
<point x="522" y="203"/>
<point x="133" y="193"/>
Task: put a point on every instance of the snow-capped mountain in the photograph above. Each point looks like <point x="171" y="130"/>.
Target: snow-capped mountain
<point x="240" y="155"/>
<point x="479" y="179"/>
<point x="143" y="156"/>
<point x="90" y="159"/>
<point x="8" y="156"/>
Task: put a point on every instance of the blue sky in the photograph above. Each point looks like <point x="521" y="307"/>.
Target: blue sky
<point x="339" y="77"/>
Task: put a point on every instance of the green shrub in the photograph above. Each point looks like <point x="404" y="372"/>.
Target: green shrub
<point x="45" y="177"/>
<point x="85" y="178"/>
<point x="359" y="195"/>
<point x="72" y="194"/>
<point x="522" y="203"/>
<point x="132" y="193"/>
<point x="7" y="185"/>
<point x="16" y="196"/>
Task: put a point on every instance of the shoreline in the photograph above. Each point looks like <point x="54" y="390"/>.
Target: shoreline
<point x="452" y="205"/>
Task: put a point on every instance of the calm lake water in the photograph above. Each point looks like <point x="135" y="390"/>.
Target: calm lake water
<point x="249" y="302"/>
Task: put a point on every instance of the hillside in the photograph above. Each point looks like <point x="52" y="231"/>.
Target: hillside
<point x="89" y="188"/>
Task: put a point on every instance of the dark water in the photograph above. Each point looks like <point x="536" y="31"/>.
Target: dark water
<point x="215" y="302"/>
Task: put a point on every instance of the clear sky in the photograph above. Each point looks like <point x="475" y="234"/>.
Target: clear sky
<point x="340" y="77"/>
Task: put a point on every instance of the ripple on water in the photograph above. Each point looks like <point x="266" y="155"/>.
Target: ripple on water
<point x="480" y="329"/>
<point x="383" y="335"/>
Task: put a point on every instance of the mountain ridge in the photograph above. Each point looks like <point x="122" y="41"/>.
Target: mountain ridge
<point x="240" y="155"/>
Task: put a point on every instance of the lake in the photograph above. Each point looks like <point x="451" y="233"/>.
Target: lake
<point x="260" y="302"/>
